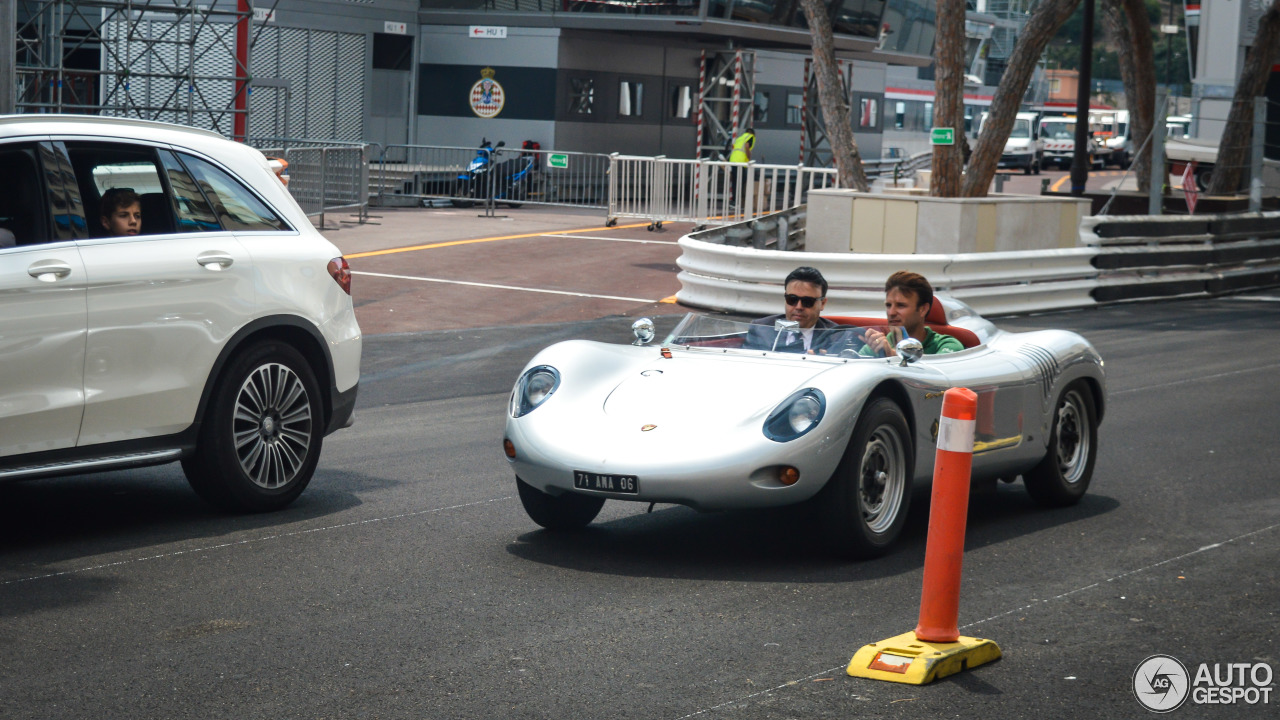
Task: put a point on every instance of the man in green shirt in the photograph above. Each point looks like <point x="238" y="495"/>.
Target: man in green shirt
<point x="907" y="299"/>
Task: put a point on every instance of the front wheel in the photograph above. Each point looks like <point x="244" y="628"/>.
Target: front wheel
<point x="567" y="511"/>
<point x="1063" y="476"/>
<point x="864" y="505"/>
<point x="260" y="439"/>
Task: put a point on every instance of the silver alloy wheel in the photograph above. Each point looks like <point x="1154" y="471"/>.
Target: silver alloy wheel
<point x="272" y="425"/>
<point x="882" y="479"/>
<point x="1073" y="437"/>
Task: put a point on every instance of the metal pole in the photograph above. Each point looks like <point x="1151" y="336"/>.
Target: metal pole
<point x="1081" y="161"/>
<point x="1255" y="156"/>
<point x="8" y="57"/>
<point x="240" y="104"/>
<point x="1159" y="174"/>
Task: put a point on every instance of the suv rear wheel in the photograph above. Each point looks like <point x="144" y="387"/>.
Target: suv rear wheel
<point x="261" y="435"/>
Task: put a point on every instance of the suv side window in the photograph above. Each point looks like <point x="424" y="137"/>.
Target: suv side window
<point x="23" y="218"/>
<point x="236" y="207"/>
<point x="102" y="166"/>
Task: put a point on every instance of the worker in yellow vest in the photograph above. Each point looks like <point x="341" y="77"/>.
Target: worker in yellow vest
<point x="742" y="147"/>
<point x="740" y="152"/>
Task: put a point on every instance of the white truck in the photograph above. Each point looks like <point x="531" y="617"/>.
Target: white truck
<point x="1059" y="135"/>
<point x="1025" y="147"/>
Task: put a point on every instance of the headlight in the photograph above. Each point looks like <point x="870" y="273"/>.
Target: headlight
<point x="533" y="388"/>
<point x="795" y="416"/>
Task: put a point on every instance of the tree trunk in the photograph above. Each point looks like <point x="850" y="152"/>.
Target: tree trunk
<point x="1043" y="23"/>
<point x="831" y="95"/>
<point x="948" y="109"/>
<point x="1126" y="20"/>
<point x="1237" y="138"/>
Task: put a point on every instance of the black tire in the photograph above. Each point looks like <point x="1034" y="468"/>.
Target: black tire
<point x="262" y="432"/>
<point x="1027" y="170"/>
<point x="1063" y="476"/>
<point x="1204" y="178"/>
<point x="1037" y="168"/>
<point x="568" y="511"/>
<point x="463" y="193"/>
<point x="864" y="505"/>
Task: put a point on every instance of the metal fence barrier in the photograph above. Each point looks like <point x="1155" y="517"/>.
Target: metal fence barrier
<point x="488" y="176"/>
<point x="706" y="192"/>
<point x="327" y="179"/>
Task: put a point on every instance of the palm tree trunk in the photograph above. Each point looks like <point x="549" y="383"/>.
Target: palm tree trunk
<point x="1233" y="151"/>
<point x="948" y="110"/>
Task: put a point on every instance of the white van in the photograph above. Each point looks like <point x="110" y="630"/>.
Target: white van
<point x="1059" y="135"/>
<point x="1025" y="147"/>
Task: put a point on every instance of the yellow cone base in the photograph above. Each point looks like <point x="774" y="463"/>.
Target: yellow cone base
<point x="904" y="659"/>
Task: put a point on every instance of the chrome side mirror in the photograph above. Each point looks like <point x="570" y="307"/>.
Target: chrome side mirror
<point x="643" y="330"/>
<point x="910" y="350"/>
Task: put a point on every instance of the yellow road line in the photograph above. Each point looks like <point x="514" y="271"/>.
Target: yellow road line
<point x="670" y="300"/>
<point x="450" y="243"/>
<point x="1056" y="187"/>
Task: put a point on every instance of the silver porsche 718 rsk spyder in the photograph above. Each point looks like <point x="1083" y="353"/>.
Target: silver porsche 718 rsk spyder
<point x="722" y="415"/>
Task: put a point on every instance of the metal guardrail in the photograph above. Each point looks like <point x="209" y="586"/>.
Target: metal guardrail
<point x="1142" y="257"/>
<point x="327" y="179"/>
<point x="1121" y="259"/>
<point x="466" y="177"/>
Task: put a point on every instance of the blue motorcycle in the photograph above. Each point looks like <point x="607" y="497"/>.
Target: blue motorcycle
<point x="506" y="182"/>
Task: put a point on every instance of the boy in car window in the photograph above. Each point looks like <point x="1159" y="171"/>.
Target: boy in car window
<point x="121" y="211"/>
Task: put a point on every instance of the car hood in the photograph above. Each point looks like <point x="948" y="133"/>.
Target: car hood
<point x="687" y="390"/>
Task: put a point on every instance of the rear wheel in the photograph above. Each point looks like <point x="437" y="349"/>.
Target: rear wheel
<point x="567" y="511"/>
<point x="462" y="195"/>
<point x="261" y="436"/>
<point x="864" y="505"/>
<point x="1063" y="476"/>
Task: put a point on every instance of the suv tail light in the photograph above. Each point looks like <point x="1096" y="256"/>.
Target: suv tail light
<point x="340" y="271"/>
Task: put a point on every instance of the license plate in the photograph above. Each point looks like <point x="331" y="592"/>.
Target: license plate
<point x="628" y="484"/>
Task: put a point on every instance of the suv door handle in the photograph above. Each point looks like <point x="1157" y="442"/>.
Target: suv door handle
<point x="49" y="270"/>
<point x="215" y="260"/>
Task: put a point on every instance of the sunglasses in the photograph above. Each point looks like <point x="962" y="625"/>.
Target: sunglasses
<point x="802" y="299"/>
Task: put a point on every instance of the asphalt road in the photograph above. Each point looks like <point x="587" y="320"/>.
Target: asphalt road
<point x="407" y="582"/>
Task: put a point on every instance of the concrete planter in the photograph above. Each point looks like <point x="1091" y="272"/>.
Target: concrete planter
<point x="849" y="221"/>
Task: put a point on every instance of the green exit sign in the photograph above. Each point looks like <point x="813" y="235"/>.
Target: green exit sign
<point x="943" y="136"/>
<point x="558" y="160"/>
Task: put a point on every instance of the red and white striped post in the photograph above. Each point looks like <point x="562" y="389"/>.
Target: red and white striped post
<point x="944" y="552"/>
<point x="737" y="93"/>
<point x="702" y="95"/>
<point x="804" y="108"/>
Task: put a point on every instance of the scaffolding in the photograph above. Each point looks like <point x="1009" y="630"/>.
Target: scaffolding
<point x="815" y="145"/>
<point x="168" y="60"/>
<point x="726" y="97"/>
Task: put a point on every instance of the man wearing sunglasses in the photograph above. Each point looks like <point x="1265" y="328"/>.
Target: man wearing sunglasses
<point x="804" y="295"/>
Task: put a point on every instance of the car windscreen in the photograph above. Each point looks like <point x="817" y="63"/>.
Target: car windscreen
<point x="703" y="331"/>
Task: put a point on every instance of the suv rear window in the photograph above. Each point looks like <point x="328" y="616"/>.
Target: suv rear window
<point x="235" y="206"/>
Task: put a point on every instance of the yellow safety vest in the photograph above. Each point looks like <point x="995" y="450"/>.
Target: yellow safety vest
<point x="740" y="146"/>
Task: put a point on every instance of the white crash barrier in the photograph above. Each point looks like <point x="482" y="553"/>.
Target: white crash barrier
<point x="747" y="280"/>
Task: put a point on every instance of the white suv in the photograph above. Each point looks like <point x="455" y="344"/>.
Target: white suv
<point x="222" y="334"/>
